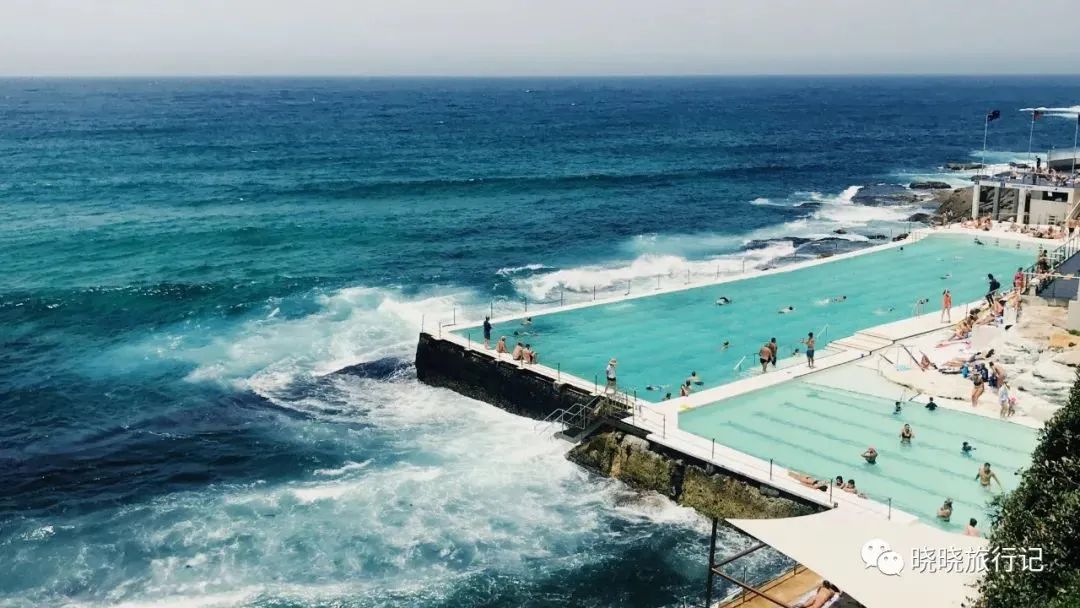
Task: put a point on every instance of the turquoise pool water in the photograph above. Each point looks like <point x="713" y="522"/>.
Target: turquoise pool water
<point x="823" y="432"/>
<point x="659" y="340"/>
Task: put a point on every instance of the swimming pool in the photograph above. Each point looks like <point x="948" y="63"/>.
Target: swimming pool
<point x="659" y="340"/>
<point x="823" y="431"/>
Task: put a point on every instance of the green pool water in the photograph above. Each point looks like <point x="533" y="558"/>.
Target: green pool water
<point x="823" y="431"/>
<point x="659" y="340"/>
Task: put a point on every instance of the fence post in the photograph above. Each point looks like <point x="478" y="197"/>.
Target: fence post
<point x="491" y="308"/>
<point x="664" y="435"/>
<point x="595" y="384"/>
<point x="687" y="276"/>
<point x="770" y="469"/>
<point x="455" y="315"/>
<point x="890" y="508"/>
<point x="421" y="323"/>
<point x="712" y="454"/>
<point x="627" y="286"/>
<point x="562" y="295"/>
<point x="832" y="482"/>
<point x="594" y="293"/>
<point x="558" y="372"/>
<point x="658" y="281"/>
<point x="468" y="336"/>
<point x="526" y="301"/>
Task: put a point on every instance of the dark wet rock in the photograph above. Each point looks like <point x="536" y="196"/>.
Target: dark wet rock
<point x="763" y="243"/>
<point x="1020" y="165"/>
<point x="929" y="186"/>
<point x="900" y="237"/>
<point x="954" y="204"/>
<point x="877" y="237"/>
<point x="839" y="231"/>
<point x="884" y="194"/>
<point x="923" y="218"/>
<point x="379" y="369"/>
<point x="827" y="246"/>
<point x="963" y="166"/>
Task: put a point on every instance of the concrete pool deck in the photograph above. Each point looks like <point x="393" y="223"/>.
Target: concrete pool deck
<point x="660" y="420"/>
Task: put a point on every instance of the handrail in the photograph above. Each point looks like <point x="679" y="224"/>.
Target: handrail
<point x="739" y="364"/>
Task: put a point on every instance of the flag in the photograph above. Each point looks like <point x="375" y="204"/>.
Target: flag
<point x="993" y="115"/>
<point x="1036" y="114"/>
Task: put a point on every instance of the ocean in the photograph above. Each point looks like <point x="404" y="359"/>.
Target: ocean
<point x="187" y="265"/>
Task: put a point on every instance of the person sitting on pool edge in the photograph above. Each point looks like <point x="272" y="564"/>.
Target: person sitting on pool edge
<point x="870" y="455"/>
<point x="945" y="512"/>
<point x="972" y="528"/>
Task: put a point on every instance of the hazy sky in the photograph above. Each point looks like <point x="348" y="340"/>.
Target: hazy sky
<point x="535" y="37"/>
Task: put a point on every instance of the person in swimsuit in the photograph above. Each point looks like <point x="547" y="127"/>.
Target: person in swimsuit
<point x="967" y="448"/>
<point x="870" y="455"/>
<point x="985" y="475"/>
<point x="808" y="480"/>
<point x="773" y="348"/>
<point x="991" y="295"/>
<point x="609" y="373"/>
<point x="487" y="332"/>
<point x="946" y="306"/>
<point x="906" y="434"/>
<point x="685" y="389"/>
<point x="500" y="346"/>
<point x="725" y="345"/>
<point x="850" y="488"/>
<point x="822" y="596"/>
<point x="931" y="405"/>
<point x="972" y="528"/>
<point x="722" y="300"/>
<point x="977" y="389"/>
<point x="809" y="342"/>
<point x="944" y="513"/>
<point x="1018" y="280"/>
<point x="516" y="356"/>
<point x="785" y="310"/>
<point x="694" y="379"/>
<point x="764" y="356"/>
<point x="897" y="408"/>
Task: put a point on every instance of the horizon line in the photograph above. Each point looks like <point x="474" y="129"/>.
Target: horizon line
<point x="538" y="76"/>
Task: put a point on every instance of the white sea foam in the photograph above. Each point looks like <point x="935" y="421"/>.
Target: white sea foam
<point x="345" y="468"/>
<point x="511" y="270"/>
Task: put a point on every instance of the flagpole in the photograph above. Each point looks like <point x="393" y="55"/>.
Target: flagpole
<point x="1031" y="132"/>
<point x="986" y="126"/>
<point x="1076" y="131"/>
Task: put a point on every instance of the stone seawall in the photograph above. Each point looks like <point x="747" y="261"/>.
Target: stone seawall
<point x="503" y="384"/>
<point x="615" y="450"/>
<point x="711" y="491"/>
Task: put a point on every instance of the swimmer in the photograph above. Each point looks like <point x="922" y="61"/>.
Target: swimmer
<point x="870" y="455"/>
<point x="946" y="276"/>
<point x="944" y="513"/>
<point x="898" y="409"/>
<point x="725" y="345"/>
<point x="655" y="387"/>
<point x="906" y="434"/>
<point x="967" y="448"/>
<point x="526" y="321"/>
<point x="985" y="475"/>
<point x="978" y="242"/>
<point x="786" y="310"/>
<point x="840" y="299"/>
<point x="722" y="300"/>
<point x="685" y="389"/>
<point x="693" y="378"/>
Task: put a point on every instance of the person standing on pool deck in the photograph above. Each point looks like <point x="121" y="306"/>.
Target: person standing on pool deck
<point x="991" y="295"/>
<point x="977" y="389"/>
<point x="809" y="342"/>
<point x="764" y="356"/>
<point x="487" y="332"/>
<point x="610" y="374"/>
<point x="773" y="348"/>
<point x="946" y="306"/>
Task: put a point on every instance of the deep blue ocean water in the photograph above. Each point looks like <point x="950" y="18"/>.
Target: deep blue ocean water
<point x="185" y="263"/>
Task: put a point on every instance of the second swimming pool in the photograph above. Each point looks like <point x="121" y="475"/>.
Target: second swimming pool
<point x="823" y="431"/>
<point x="659" y="340"/>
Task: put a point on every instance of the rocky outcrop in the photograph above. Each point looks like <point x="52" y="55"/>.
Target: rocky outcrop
<point x="929" y="186"/>
<point x="710" y="491"/>
<point x="954" y="204"/>
<point x="963" y="166"/>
